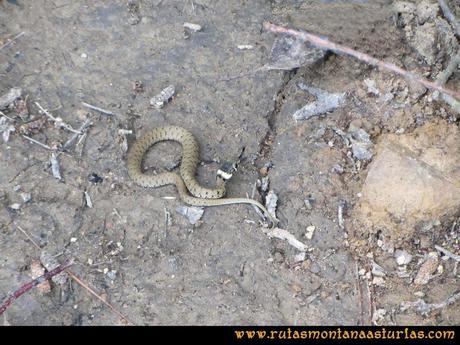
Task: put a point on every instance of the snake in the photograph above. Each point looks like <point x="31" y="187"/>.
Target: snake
<point x="189" y="189"/>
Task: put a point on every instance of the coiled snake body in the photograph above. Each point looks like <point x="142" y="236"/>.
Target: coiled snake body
<point x="190" y="191"/>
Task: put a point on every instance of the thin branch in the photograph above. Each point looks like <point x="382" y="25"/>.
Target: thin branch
<point x="9" y="118"/>
<point x="26" y="287"/>
<point x="448" y="253"/>
<point x="80" y="282"/>
<point x="37" y="142"/>
<point x="28" y="236"/>
<point x="95" y="294"/>
<point x="74" y="136"/>
<point x="58" y="122"/>
<point x="12" y="40"/>
<point x="341" y="49"/>
<point x="103" y="111"/>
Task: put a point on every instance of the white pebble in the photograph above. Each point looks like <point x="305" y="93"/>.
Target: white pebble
<point x="310" y="232"/>
<point x="193" y="27"/>
<point x="402" y="257"/>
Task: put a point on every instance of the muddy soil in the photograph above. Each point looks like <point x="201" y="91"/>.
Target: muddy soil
<point x="132" y="246"/>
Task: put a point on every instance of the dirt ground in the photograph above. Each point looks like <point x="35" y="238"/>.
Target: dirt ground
<point x="224" y="270"/>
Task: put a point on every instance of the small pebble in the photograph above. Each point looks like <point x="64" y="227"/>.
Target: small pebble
<point x="15" y="206"/>
<point x="402" y="257"/>
<point x="193" y="27"/>
<point x="26" y="197"/>
<point x="379" y="281"/>
<point x="112" y="274"/>
<point x="310" y="231"/>
<point x="244" y="46"/>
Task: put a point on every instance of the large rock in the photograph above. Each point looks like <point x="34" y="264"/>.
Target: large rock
<point x="413" y="179"/>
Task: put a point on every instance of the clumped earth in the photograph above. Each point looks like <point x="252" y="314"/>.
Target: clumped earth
<point x="349" y="182"/>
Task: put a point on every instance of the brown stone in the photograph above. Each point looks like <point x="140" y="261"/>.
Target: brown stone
<point x="413" y="178"/>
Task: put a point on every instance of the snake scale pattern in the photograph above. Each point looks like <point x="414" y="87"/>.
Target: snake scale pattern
<point x="190" y="191"/>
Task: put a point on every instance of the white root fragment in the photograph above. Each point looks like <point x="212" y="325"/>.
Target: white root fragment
<point x="193" y="27"/>
<point x="55" y="168"/>
<point x="290" y="238"/>
<point x="6" y="128"/>
<point x="58" y="122"/>
<point x="89" y="203"/>
<point x="100" y="110"/>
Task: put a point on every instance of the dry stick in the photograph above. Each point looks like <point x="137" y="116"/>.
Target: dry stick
<point x="341" y="49"/>
<point x="95" y="294"/>
<point x="57" y="121"/>
<point x="37" y="142"/>
<point x="12" y="40"/>
<point x="448" y="253"/>
<point x="28" y="236"/>
<point x="9" y="118"/>
<point x="81" y="283"/>
<point x="450" y="16"/>
<point x="74" y="136"/>
<point x="103" y="111"/>
<point x="26" y="287"/>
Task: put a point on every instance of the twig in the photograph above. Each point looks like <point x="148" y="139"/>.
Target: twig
<point x="12" y="40"/>
<point x="37" y="142"/>
<point x="95" y="294"/>
<point x="103" y="111"/>
<point x="58" y="122"/>
<point x="9" y="118"/>
<point x="167" y="220"/>
<point x="338" y="48"/>
<point x="80" y="282"/>
<point x="26" y="287"/>
<point x="448" y="253"/>
<point x="74" y="136"/>
<point x="450" y="16"/>
<point x="28" y="236"/>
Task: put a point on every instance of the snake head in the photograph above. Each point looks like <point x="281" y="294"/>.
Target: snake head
<point x="226" y="170"/>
